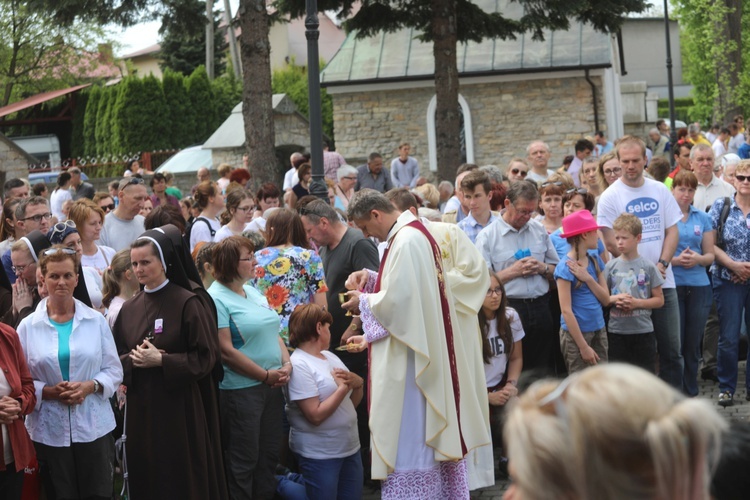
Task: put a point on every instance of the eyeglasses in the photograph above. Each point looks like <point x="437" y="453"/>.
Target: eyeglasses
<point x="614" y="171"/>
<point x="20" y="269"/>
<point x="244" y="209"/>
<point x="494" y="291"/>
<point x="742" y="178"/>
<point x="60" y="227"/>
<point x="523" y="213"/>
<point x="108" y="208"/>
<point x="53" y="251"/>
<point x="582" y="191"/>
<point x="350" y="178"/>
<point x="556" y="183"/>
<point x="38" y="217"/>
<point x="518" y="171"/>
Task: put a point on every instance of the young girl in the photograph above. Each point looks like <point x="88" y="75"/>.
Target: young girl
<point x="582" y="290"/>
<point x="501" y="348"/>
<point x="119" y="284"/>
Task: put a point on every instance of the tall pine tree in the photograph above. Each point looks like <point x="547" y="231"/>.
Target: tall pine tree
<point x="203" y="110"/>
<point x="178" y="109"/>
<point x="89" y="122"/>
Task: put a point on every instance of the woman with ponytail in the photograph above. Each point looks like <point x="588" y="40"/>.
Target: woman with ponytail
<point x="238" y="213"/>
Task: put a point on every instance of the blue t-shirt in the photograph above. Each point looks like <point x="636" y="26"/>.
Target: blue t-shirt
<point x="744" y="151"/>
<point x="563" y="247"/>
<point x="691" y="235"/>
<point x="64" y="330"/>
<point x="586" y="307"/>
<point x="254" y="327"/>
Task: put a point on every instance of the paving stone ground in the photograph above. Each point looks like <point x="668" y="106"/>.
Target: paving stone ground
<point x="708" y="390"/>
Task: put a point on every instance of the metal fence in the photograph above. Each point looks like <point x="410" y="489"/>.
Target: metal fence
<point x="107" y="165"/>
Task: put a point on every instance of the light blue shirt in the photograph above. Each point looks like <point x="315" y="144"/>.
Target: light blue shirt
<point x="254" y="327"/>
<point x="586" y="307"/>
<point x="499" y="243"/>
<point x="691" y="235"/>
<point x="471" y="227"/>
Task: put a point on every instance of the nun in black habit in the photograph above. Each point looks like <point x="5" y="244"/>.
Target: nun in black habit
<point x="25" y="293"/>
<point x="165" y="338"/>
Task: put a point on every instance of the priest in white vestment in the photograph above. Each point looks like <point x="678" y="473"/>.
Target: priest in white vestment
<point x="418" y="410"/>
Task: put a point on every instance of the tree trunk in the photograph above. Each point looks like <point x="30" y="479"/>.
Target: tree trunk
<point x="729" y="64"/>
<point x="447" y="118"/>
<point x="210" y="39"/>
<point x="257" y="107"/>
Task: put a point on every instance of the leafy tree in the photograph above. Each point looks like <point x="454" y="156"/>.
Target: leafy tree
<point x="227" y="91"/>
<point x="445" y="23"/>
<point x="89" y="122"/>
<point x="183" y="37"/>
<point x="292" y="80"/>
<point x="103" y="121"/>
<point x="77" y="141"/>
<point x="178" y="108"/>
<point x="129" y="117"/>
<point x="38" y="54"/>
<point x="203" y="111"/>
<point x="153" y="134"/>
<point x="713" y="60"/>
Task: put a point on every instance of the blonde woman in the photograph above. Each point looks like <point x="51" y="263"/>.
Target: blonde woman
<point x="611" y="432"/>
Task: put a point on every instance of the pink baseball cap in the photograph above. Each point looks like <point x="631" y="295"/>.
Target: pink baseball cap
<point x="578" y="223"/>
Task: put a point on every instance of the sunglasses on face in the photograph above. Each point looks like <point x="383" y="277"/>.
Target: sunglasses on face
<point x="742" y="178"/>
<point x="518" y="171"/>
<point x="108" y="208"/>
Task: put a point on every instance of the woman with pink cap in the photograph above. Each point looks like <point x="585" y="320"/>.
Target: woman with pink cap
<point x="583" y="291"/>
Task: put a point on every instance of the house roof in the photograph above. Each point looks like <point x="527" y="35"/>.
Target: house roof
<point x="151" y="49"/>
<point x="401" y="56"/>
<point x="231" y="133"/>
<point x="38" y="99"/>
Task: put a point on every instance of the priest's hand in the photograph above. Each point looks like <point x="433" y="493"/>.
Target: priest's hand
<point x="352" y="305"/>
<point x="356" y="343"/>
<point x="146" y="355"/>
<point x="357" y="280"/>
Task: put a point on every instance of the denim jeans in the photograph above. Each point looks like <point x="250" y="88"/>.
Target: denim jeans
<point x="638" y="349"/>
<point x="334" y="477"/>
<point x="695" y="303"/>
<point x="666" y="322"/>
<point x="731" y="301"/>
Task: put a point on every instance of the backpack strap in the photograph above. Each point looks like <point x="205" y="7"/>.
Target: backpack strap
<point x="208" y="223"/>
<point x="722" y="220"/>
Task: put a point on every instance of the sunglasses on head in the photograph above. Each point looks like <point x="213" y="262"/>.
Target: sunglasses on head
<point x="577" y="191"/>
<point x="556" y="183"/>
<point x="60" y="227"/>
<point x="53" y="251"/>
<point x="130" y="182"/>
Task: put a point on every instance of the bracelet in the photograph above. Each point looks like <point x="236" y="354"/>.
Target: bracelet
<point x="266" y="379"/>
<point x="287" y="363"/>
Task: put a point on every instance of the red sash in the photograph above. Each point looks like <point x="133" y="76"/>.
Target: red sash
<point x="437" y="258"/>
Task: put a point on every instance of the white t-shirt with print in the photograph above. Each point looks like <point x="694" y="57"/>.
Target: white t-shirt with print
<point x="653" y="204"/>
<point x="495" y="370"/>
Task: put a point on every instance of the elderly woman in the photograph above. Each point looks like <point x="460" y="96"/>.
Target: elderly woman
<point x="289" y="274"/>
<point x="88" y="218"/>
<point x="24" y="255"/>
<point x="238" y="213"/>
<point x="599" y="434"/>
<point x="73" y="360"/>
<point x="346" y="177"/>
<point x="731" y="278"/>
<point x="694" y="253"/>
<point x="165" y="353"/>
<point x="17" y="399"/>
<point x="256" y="365"/>
<point x="322" y="397"/>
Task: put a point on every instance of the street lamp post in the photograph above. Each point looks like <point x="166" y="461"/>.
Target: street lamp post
<point x="317" y="186"/>
<point x="670" y="87"/>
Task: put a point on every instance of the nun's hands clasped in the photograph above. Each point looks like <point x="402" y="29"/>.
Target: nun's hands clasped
<point x="146" y="355"/>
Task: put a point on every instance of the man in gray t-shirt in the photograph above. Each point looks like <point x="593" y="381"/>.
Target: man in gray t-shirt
<point x="123" y="225"/>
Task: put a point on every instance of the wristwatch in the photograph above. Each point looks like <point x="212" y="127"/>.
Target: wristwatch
<point x="663" y="263"/>
<point x="96" y="386"/>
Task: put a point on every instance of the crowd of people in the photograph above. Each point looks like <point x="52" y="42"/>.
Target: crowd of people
<point x="238" y="344"/>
